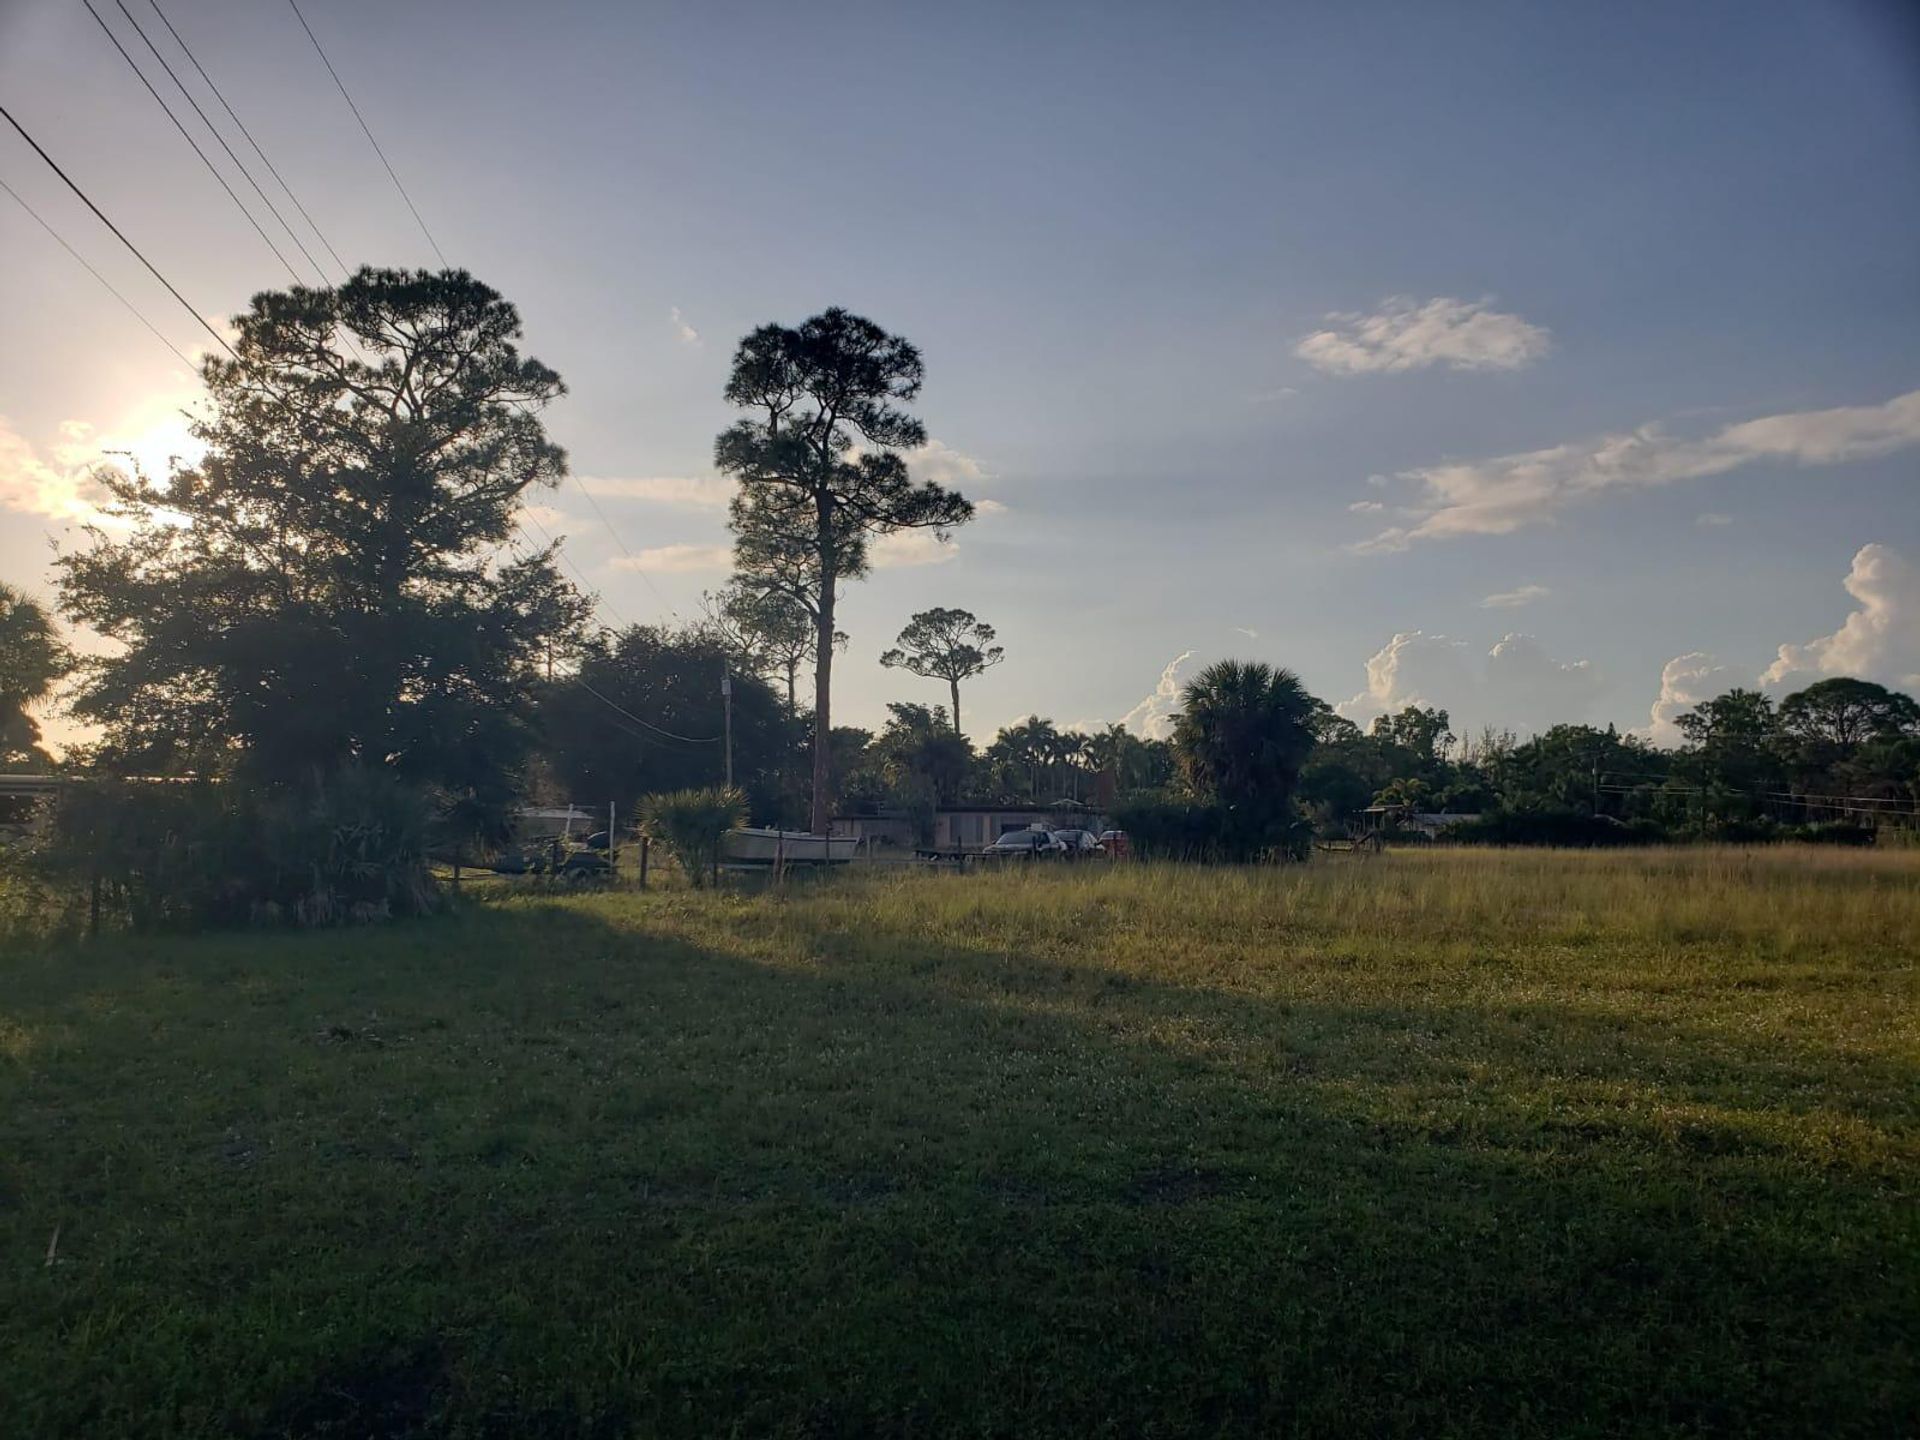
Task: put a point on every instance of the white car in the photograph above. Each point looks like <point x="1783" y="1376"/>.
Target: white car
<point x="1026" y="844"/>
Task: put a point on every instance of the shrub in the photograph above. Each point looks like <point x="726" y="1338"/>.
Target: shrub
<point x="693" y="824"/>
<point x="167" y="856"/>
<point x="1160" y="828"/>
<point x="1552" y="828"/>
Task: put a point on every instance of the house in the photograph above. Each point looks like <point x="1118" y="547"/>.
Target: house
<point x="966" y="827"/>
<point x="1404" y="818"/>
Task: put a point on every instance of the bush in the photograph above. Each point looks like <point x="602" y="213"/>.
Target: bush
<point x="1553" y="828"/>
<point x="693" y="824"/>
<point x="1173" y="829"/>
<point x="165" y="856"/>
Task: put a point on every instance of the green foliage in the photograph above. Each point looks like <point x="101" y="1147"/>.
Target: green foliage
<point x="693" y="824"/>
<point x="1242" y="735"/>
<point x="818" y="459"/>
<point x="32" y="658"/>
<point x="767" y="632"/>
<point x="644" y="714"/>
<point x="340" y="594"/>
<point x="946" y="644"/>
<point x="1172" y="827"/>
<point x="166" y="856"/>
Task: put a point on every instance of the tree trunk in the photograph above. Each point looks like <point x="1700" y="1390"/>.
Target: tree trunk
<point x="956" y="705"/>
<point x="822" y="706"/>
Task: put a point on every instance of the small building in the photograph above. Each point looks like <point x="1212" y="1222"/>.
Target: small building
<point x="966" y="827"/>
<point x="1405" y="819"/>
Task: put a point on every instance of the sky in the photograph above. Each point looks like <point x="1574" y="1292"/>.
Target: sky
<point x="1541" y="362"/>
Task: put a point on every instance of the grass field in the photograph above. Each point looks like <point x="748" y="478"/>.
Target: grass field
<point x="1460" y="1143"/>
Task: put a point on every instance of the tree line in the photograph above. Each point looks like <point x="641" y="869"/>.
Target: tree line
<point x="332" y="634"/>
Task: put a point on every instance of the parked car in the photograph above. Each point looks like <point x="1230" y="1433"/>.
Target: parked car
<point x="1114" y="842"/>
<point x="1078" y="842"/>
<point x="1026" y="845"/>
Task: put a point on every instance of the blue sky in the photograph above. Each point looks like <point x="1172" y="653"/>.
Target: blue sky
<point x="1191" y="283"/>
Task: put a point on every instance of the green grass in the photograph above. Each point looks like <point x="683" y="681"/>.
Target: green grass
<point x="1462" y="1143"/>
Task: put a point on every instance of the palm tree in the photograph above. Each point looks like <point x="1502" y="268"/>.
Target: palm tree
<point x="1242" y="734"/>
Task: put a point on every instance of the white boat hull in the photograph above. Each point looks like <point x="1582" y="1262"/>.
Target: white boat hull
<point x="747" y="846"/>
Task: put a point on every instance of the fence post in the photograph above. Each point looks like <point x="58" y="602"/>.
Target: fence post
<point x="93" y="903"/>
<point x="646" y="842"/>
<point x="613" y="850"/>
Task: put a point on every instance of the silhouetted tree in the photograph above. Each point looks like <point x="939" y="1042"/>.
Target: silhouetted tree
<point x="32" y="658"/>
<point x="820" y="474"/>
<point x="767" y="632"/>
<point x="1845" y="712"/>
<point x="340" y="593"/>
<point x="1243" y="733"/>
<point x="949" y="645"/>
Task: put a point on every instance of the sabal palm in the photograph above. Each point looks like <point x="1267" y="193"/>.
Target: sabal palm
<point x="1243" y="732"/>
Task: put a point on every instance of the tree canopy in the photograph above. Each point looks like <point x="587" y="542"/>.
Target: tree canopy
<point x="331" y="584"/>
<point x="818" y="459"/>
<point x="946" y="644"/>
<point x="32" y="658"/>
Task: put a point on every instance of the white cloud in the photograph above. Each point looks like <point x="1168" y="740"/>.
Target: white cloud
<point x="1247" y="631"/>
<point x="1511" y="492"/>
<point x="1514" y="599"/>
<point x="1712" y="520"/>
<point x="985" y="508"/>
<point x="66" y="491"/>
<point x="686" y="333"/>
<point x="1153" y="716"/>
<point x="1366" y="507"/>
<point x="1404" y="334"/>
<point x="544" y="515"/>
<point x="906" y="548"/>
<point x="1517" y="686"/>
<point x="1686" y="682"/>
<point x="693" y="492"/>
<point x="941" y="463"/>
<point x="677" y="559"/>
<point x="1880" y="641"/>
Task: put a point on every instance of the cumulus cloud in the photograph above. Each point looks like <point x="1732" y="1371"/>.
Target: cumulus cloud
<point x="1514" y="599"/>
<point x="64" y="490"/>
<point x="1686" y="682"/>
<point x="1405" y="334"/>
<point x="1511" y="492"/>
<point x="1516" y="684"/>
<point x="941" y="463"/>
<point x="677" y="559"/>
<point x="904" y="549"/>
<point x="689" y="492"/>
<point x="686" y="334"/>
<point x="1366" y="507"/>
<point x="984" y="509"/>
<point x="1880" y="641"/>
<point x="1152" y="718"/>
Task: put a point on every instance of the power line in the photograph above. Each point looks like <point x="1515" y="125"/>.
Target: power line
<point x="272" y="169"/>
<point x="132" y="309"/>
<point x="366" y="130"/>
<point x="214" y="130"/>
<point x="212" y="169"/>
<point x="199" y="319"/>
<point x="581" y="486"/>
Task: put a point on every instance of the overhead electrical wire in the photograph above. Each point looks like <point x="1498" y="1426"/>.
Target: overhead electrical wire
<point x="367" y="130"/>
<point x="118" y="234"/>
<point x="132" y="309"/>
<point x="212" y="169"/>
<point x="214" y="130"/>
<point x="241" y="125"/>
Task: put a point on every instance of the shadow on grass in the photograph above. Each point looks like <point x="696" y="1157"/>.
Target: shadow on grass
<point x="535" y="1172"/>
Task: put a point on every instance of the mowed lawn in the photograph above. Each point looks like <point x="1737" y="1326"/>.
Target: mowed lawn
<point x="1458" y="1143"/>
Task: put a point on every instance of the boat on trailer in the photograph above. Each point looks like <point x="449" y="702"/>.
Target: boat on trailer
<point x="749" y="845"/>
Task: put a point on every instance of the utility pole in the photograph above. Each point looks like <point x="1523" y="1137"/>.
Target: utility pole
<point x="726" y="698"/>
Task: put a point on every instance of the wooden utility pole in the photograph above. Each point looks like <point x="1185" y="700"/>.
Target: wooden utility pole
<point x="726" y="700"/>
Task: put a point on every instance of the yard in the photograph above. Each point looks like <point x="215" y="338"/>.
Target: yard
<point x="1453" y="1143"/>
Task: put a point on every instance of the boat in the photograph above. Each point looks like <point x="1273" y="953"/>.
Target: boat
<point x="748" y="845"/>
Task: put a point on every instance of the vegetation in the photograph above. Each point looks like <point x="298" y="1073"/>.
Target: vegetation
<point x="32" y="658"/>
<point x="1242" y="734"/>
<point x="693" y="824"/>
<point x="946" y="644"/>
<point x="818" y="461"/>
<point x="1438" y="1144"/>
